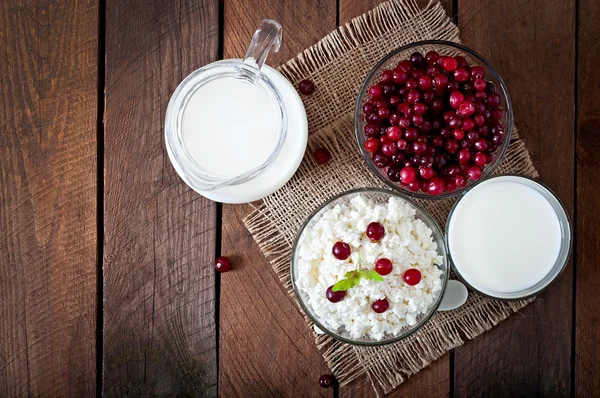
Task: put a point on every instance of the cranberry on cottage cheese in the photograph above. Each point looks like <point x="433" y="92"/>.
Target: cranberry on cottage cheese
<point x="408" y="243"/>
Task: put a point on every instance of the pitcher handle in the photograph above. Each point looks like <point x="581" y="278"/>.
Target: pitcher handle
<point x="267" y="38"/>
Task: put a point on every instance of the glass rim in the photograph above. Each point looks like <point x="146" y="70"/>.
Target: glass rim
<point x="486" y="170"/>
<point x="429" y="221"/>
<point x="564" y="216"/>
<point x="193" y="174"/>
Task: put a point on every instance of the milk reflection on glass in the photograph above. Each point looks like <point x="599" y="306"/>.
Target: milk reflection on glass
<point x="508" y="237"/>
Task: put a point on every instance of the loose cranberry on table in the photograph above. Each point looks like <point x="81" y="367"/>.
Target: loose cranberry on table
<point x="341" y="250"/>
<point x="375" y="231"/>
<point x="326" y="381"/>
<point x="380" y="306"/>
<point x="222" y="264"/>
<point x="335" y="297"/>
<point x="383" y="266"/>
<point x="429" y="118"/>
<point x="322" y="155"/>
<point x="306" y="87"/>
<point x="412" y="276"/>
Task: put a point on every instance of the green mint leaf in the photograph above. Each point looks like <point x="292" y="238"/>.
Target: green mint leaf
<point x="374" y="276"/>
<point x="342" y="286"/>
<point x="351" y="280"/>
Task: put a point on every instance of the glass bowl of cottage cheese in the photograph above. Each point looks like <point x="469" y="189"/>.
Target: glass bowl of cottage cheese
<point x="369" y="267"/>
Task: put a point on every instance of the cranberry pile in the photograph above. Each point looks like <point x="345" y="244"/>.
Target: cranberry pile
<point x="433" y="122"/>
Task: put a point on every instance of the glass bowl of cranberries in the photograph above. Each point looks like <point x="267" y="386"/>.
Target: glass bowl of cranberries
<point x="433" y="118"/>
<point x="369" y="267"/>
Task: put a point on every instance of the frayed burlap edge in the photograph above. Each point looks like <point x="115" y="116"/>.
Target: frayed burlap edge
<point x="388" y="366"/>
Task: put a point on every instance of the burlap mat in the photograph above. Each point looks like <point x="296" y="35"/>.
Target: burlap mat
<point x="338" y="65"/>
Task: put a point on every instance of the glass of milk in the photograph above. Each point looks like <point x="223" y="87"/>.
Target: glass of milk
<point x="508" y="237"/>
<point x="227" y="123"/>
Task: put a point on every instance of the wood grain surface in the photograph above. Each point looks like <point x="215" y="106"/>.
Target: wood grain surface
<point x="48" y="118"/>
<point x="587" y="315"/>
<point x="159" y="285"/>
<point x="532" y="46"/>
<point x="266" y="349"/>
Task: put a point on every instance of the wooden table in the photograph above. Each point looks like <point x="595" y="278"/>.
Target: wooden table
<point x="106" y="278"/>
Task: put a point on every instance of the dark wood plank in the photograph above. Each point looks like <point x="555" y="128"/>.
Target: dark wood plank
<point x="433" y="381"/>
<point x="532" y="45"/>
<point x="266" y="349"/>
<point x="159" y="305"/>
<point x="48" y="265"/>
<point x="587" y="333"/>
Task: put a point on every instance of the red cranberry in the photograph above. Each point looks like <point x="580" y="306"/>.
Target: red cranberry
<point x="433" y="70"/>
<point x="480" y="95"/>
<point x="394" y="100"/>
<point x="426" y="126"/>
<point x="467" y="87"/>
<point x="411" y="84"/>
<point x="474" y="173"/>
<point x="480" y="159"/>
<point x="389" y="89"/>
<point x="380" y="306"/>
<point x="341" y="250"/>
<point x="401" y="144"/>
<point x="417" y="59"/>
<point x="383" y="266"/>
<point x="477" y="72"/>
<point x="426" y="172"/>
<point x="422" y="138"/>
<point x="473" y="136"/>
<point x="380" y="103"/>
<point x="451" y="145"/>
<point x="453" y="85"/>
<point x="326" y="381"/>
<point x="306" y="87"/>
<point x="371" y="130"/>
<point x="403" y="122"/>
<point x="431" y="57"/>
<point x="440" y="80"/>
<point x="479" y="107"/>
<point x="322" y="155"/>
<point x="393" y="119"/>
<point x="399" y="158"/>
<point x="394" y="173"/>
<point x="368" y="108"/>
<point x="460" y="181"/>
<point x="419" y="147"/>
<point x="394" y="133"/>
<point x="389" y="148"/>
<point x="408" y="175"/>
<point x="490" y="157"/>
<point x="415" y="186"/>
<point x="412" y="276"/>
<point x="465" y="109"/>
<point x="461" y="75"/>
<point x="479" y="120"/>
<point x="498" y="138"/>
<point x="464" y="155"/>
<point x="479" y="84"/>
<point x="449" y="64"/>
<point x="450" y="186"/>
<point x="405" y="109"/>
<point x="399" y="76"/>
<point x="380" y="160"/>
<point x="437" y="105"/>
<point x="453" y="170"/>
<point x="417" y="120"/>
<point x="413" y="96"/>
<point x="376" y="92"/>
<point x="436" y="186"/>
<point x="468" y="124"/>
<point x="458" y="134"/>
<point x="425" y="82"/>
<point x="428" y="96"/>
<point x="420" y="109"/>
<point x="493" y="100"/>
<point x="405" y="65"/>
<point x="411" y="134"/>
<point x="383" y="113"/>
<point x="466" y="144"/>
<point x="446" y="132"/>
<point x="386" y="76"/>
<point x="334" y="297"/>
<point x="455" y="122"/>
<point x="481" y="145"/>
<point x="461" y="61"/>
<point x="497" y="114"/>
<point x="456" y="98"/>
<point x="371" y="145"/>
<point x="441" y="160"/>
<point x="222" y="264"/>
<point x="437" y="141"/>
<point x="373" y="118"/>
<point x="375" y="231"/>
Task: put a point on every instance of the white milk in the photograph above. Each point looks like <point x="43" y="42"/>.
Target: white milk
<point x="230" y="126"/>
<point x="504" y="237"/>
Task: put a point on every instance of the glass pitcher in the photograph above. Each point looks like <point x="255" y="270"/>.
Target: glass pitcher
<point x="266" y="38"/>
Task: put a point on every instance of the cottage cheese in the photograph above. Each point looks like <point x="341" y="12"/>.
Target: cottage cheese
<point x="407" y="243"/>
